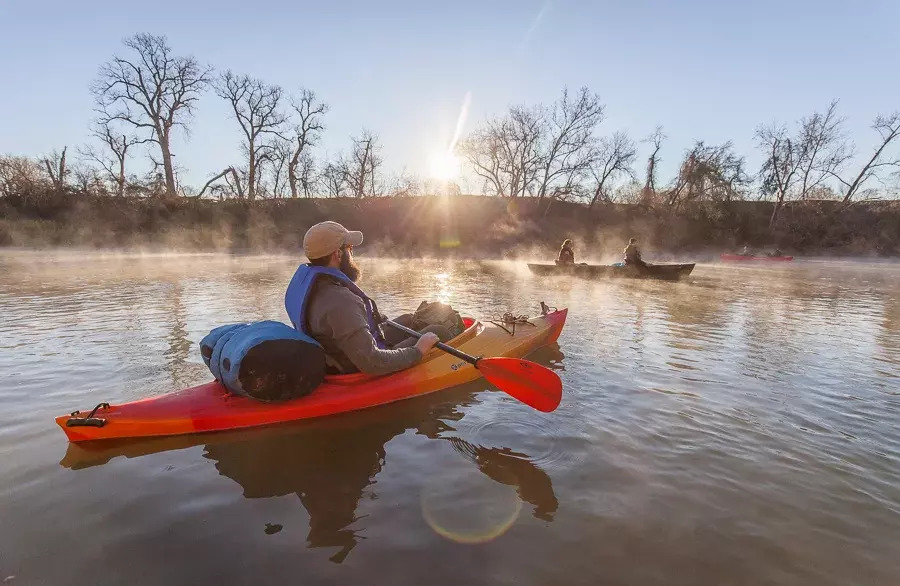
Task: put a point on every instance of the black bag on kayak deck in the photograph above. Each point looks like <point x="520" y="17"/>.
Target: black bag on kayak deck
<point x="435" y="313"/>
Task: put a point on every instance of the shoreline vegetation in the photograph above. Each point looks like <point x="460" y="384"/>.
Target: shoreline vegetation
<point x="546" y="172"/>
<point x="459" y="225"/>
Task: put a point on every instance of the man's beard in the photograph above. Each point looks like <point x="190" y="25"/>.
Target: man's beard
<point x="349" y="267"/>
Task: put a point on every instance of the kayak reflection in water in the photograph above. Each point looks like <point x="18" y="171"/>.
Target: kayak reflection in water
<point x="324" y="302"/>
<point x="331" y="482"/>
<point x="633" y="255"/>
<point x="566" y="254"/>
<point x="331" y="464"/>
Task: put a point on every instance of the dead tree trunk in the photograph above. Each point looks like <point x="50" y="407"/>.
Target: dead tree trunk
<point x="57" y="170"/>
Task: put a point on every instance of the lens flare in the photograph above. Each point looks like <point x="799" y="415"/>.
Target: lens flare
<point x="471" y="508"/>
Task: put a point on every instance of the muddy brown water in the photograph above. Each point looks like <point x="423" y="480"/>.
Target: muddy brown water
<point x="742" y="427"/>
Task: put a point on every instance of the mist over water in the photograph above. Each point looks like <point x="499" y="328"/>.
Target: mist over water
<point x="736" y="428"/>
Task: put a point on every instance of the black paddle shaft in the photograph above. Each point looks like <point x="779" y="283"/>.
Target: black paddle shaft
<point x="440" y="345"/>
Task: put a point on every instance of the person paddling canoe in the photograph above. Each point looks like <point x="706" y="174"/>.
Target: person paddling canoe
<point x="566" y="254"/>
<point x="633" y="255"/>
<point x="324" y="302"/>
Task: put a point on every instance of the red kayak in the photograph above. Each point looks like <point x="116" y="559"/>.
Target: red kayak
<point x="740" y="257"/>
<point x="209" y="407"/>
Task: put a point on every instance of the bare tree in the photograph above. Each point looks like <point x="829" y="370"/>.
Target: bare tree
<point x="305" y="172"/>
<point x="655" y="139"/>
<point x="484" y="152"/>
<point x="523" y="131"/>
<point x="236" y="179"/>
<point x="21" y="176"/>
<point x="309" y="112"/>
<point x="506" y="152"/>
<point x="823" y="148"/>
<point x="543" y="151"/>
<point x="612" y="158"/>
<point x="361" y="167"/>
<point x="404" y="184"/>
<point x="334" y="177"/>
<point x="277" y="161"/>
<point x="226" y="173"/>
<point x="630" y="193"/>
<point x="797" y="167"/>
<point x="709" y="172"/>
<point x="118" y="145"/>
<point x="888" y="128"/>
<point x="779" y="171"/>
<point x="55" y="164"/>
<point x="153" y="92"/>
<point x="88" y="179"/>
<point x="256" y="107"/>
<point x="566" y="142"/>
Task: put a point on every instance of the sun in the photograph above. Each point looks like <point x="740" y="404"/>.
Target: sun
<point x="444" y="166"/>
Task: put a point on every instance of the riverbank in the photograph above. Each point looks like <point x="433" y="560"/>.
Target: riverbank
<point x="461" y="226"/>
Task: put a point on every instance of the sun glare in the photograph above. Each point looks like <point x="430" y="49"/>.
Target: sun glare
<point x="444" y="166"/>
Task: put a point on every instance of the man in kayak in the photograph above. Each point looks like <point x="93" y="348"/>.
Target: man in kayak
<point x="633" y="255"/>
<point x="324" y="302"/>
<point x="566" y="254"/>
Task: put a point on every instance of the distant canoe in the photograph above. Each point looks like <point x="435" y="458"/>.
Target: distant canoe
<point x="741" y="257"/>
<point x="668" y="272"/>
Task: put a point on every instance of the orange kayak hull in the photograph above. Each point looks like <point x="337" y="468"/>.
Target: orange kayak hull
<point x="209" y="407"/>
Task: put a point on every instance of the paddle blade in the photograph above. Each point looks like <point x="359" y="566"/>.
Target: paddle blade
<point x="531" y="383"/>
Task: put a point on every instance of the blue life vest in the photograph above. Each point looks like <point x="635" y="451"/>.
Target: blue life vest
<point x="296" y="298"/>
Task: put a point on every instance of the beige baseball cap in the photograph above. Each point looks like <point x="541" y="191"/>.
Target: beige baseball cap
<point x="326" y="237"/>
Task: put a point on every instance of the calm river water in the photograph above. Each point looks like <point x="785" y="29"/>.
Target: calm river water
<point x="742" y="427"/>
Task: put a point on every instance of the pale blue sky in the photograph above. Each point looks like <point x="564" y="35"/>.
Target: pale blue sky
<point x="704" y="69"/>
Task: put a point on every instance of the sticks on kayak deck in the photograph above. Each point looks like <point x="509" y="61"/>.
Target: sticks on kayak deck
<point x="535" y="385"/>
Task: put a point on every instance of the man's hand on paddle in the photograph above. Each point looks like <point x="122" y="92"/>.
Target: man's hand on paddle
<point x="427" y="342"/>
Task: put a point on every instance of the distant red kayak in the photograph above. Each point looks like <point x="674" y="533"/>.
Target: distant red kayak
<point x="739" y="257"/>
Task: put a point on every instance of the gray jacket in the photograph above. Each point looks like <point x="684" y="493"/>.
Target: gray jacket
<point x="337" y="320"/>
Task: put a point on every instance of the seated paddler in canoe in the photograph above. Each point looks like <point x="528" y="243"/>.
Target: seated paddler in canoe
<point x="566" y="254"/>
<point x="324" y="302"/>
<point x="633" y="255"/>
